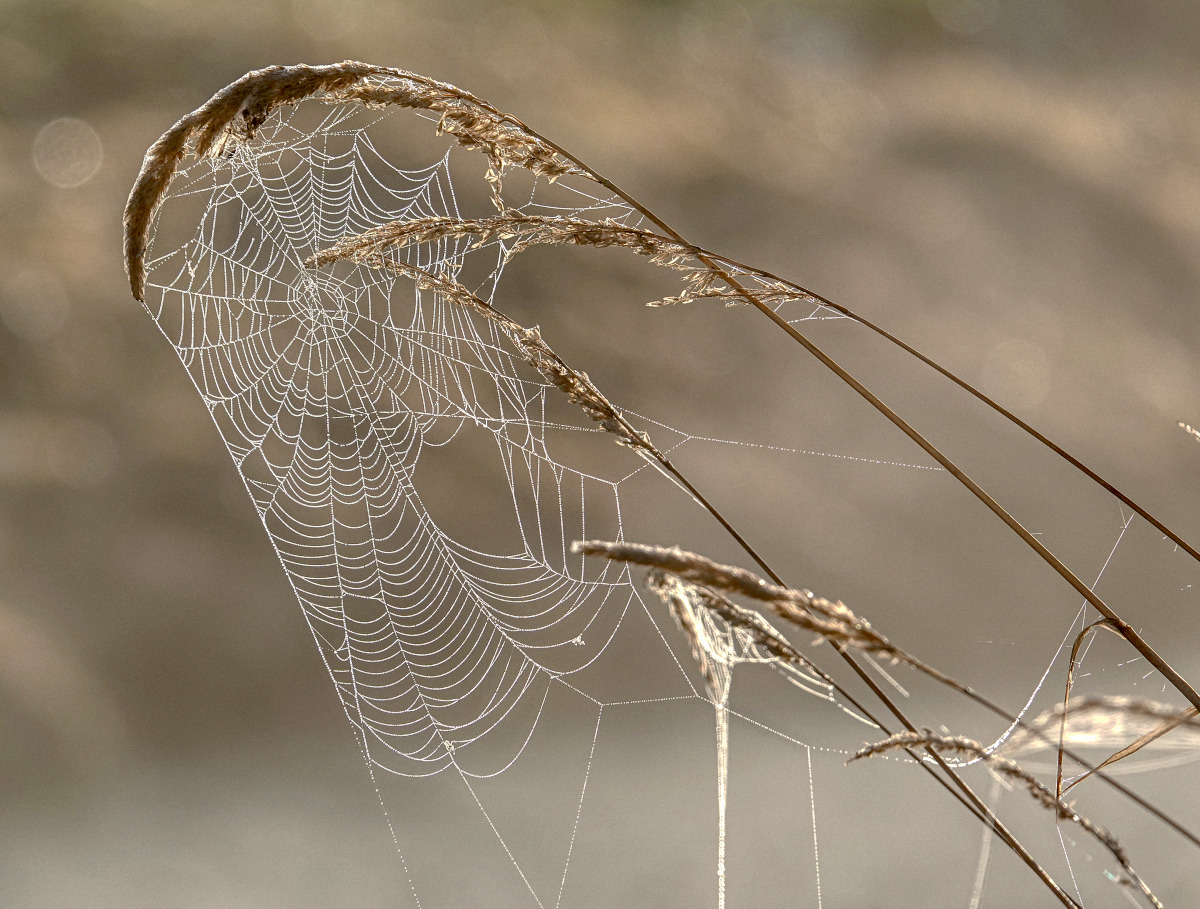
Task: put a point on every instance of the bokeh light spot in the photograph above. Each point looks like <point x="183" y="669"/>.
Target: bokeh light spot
<point x="67" y="152"/>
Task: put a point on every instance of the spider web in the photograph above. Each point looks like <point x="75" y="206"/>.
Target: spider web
<point x="500" y="688"/>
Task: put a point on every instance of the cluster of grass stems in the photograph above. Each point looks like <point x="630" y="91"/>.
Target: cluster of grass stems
<point x="701" y="594"/>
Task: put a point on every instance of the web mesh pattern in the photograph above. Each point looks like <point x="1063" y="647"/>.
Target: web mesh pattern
<point x="329" y="388"/>
<point x="335" y="387"/>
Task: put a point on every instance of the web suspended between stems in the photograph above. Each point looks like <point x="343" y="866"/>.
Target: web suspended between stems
<point x="330" y="385"/>
<point x="339" y="316"/>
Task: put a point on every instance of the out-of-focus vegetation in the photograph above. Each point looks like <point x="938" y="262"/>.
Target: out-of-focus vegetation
<point x="1014" y="186"/>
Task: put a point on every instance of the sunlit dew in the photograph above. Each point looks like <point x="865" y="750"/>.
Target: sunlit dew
<point x="67" y="152"/>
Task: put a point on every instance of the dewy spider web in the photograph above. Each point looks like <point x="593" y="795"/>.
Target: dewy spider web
<point x="329" y="386"/>
<point x="333" y="387"/>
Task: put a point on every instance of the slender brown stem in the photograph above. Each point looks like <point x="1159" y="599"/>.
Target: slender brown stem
<point x="942" y="459"/>
<point x="961" y="789"/>
<point x="258" y="93"/>
<point x="975" y="392"/>
<point x="1126" y="630"/>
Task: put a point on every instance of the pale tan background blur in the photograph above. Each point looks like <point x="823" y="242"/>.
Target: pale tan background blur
<point x="1012" y="185"/>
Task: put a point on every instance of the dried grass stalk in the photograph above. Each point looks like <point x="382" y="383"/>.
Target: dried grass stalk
<point x="688" y="601"/>
<point x="525" y="230"/>
<point x="534" y="350"/>
<point x="1012" y="771"/>
<point x="1102" y="721"/>
<point x="830" y="621"/>
<point x="1066" y="706"/>
<point x="701" y="280"/>
<point x="236" y="112"/>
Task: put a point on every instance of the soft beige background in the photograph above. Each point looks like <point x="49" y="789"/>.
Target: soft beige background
<point x="1012" y="186"/>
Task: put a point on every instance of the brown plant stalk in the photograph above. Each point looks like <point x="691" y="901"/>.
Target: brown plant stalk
<point x="1011" y="770"/>
<point x="528" y="343"/>
<point x="837" y="624"/>
<point x="238" y="111"/>
<point x="235" y="114"/>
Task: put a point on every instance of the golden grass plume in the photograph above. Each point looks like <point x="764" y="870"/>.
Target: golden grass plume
<point x="1012" y="771"/>
<point x="236" y="113"/>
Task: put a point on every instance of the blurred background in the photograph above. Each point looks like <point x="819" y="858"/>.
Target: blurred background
<point x="1011" y="185"/>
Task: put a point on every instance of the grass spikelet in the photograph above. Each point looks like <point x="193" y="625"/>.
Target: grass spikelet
<point x="1103" y="721"/>
<point x="235" y="114"/>
<point x="1014" y="772"/>
<point x="689" y="603"/>
<point x="701" y="281"/>
<point x="535" y="351"/>
<point x="472" y="121"/>
<point x="525" y="230"/>
<point x="828" y="620"/>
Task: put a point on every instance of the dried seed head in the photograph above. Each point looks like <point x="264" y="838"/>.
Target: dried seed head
<point x="700" y="279"/>
<point x="235" y="114"/>
<point x="681" y="595"/>
<point x="712" y="646"/>
<point x="722" y="634"/>
<point x="1105" y="720"/>
<point x="533" y="349"/>
<point x="523" y="230"/>
<point x="1010" y="770"/>
<point x="828" y="620"/>
<point x="504" y="139"/>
